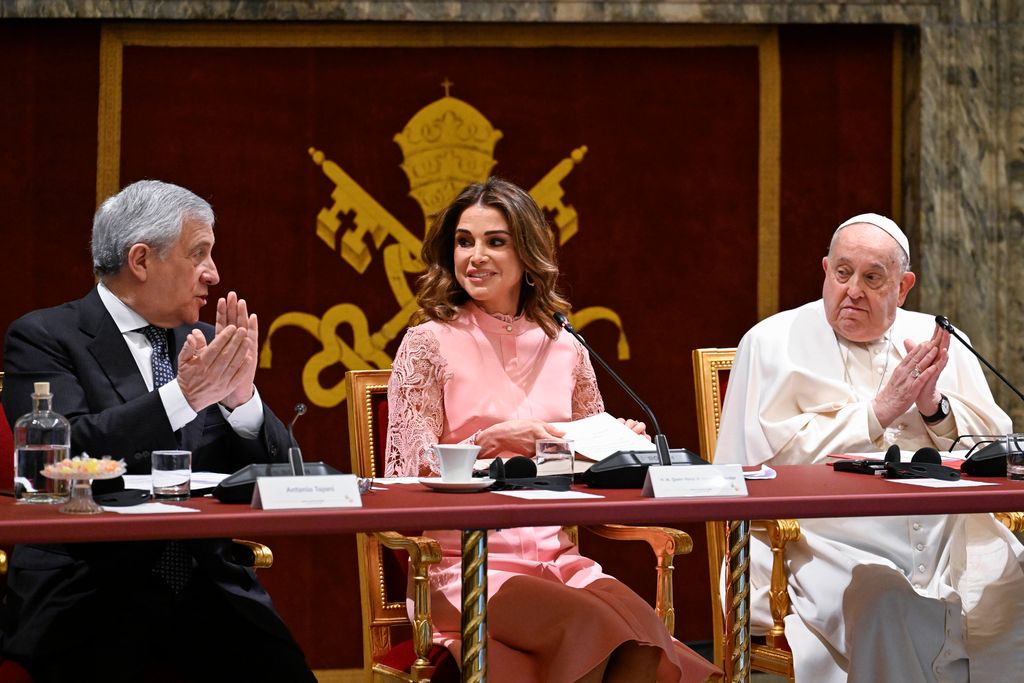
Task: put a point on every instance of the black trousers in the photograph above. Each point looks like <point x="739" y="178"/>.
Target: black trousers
<point x="144" y="632"/>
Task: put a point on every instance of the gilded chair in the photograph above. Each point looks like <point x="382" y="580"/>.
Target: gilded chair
<point x="711" y="373"/>
<point x="382" y="571"/>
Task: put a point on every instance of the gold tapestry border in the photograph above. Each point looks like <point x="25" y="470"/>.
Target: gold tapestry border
<point x="115" y="36"/>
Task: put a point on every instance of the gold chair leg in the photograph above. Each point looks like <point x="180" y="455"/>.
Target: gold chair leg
<point x="737" y="601"/>
<point x="474" y="606"/>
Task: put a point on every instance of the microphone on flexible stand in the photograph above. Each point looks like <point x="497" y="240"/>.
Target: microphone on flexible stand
<point x="989" y="461"/>
<point x="238" y="487"/>
<point x="294" y="452"/>
<point x="943" y="322"/>
<point x="628" y="469"/>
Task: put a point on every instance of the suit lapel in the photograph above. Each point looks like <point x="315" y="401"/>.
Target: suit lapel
<point x="109" y="349"/>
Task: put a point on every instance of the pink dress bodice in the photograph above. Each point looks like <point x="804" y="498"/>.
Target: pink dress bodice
<point x="449" y="381"/>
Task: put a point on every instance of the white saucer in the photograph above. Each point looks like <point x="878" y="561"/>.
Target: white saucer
<point x="475" y="484"/>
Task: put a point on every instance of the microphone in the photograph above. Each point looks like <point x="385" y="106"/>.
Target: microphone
<point x="660" y="440"/>
<point x="989" y="461"/>
<point x="627" y="469"/>
<point x="943" y="322"/>
<point x="238" y="487"/>
<point x="294" y="452"/>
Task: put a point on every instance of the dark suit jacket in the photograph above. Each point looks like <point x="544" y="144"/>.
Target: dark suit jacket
<point x="96" y="384"/>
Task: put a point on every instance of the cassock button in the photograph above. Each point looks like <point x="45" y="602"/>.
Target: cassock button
<point x="508" y="328"/>
<point x="920" y="546"/>
<point x="881" y="370"/>
<point x="917" y="526"/>
<point x="920" y="568"/>
<point x="901" y="426"/>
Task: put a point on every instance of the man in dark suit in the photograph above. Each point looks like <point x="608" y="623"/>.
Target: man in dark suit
<point x="134" y="371"/>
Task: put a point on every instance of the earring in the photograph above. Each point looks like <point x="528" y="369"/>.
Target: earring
<point x="529" y="279"/>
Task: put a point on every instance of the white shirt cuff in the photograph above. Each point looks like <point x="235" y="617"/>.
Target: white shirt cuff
<point x="246" y="419"/>
<point x="179" y="412"/>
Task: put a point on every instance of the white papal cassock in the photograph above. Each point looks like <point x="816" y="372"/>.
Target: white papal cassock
<point x="907" y="599"/>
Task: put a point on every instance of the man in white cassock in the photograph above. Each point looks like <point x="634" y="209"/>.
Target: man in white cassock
<point x="908" y="599"/>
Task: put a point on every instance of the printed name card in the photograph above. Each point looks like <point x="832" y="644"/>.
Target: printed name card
<point x="327" y="491"/>
<point x="694" y="481"/>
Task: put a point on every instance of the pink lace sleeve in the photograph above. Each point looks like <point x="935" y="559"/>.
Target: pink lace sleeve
<point x="415" y="405"/>
<point x="586" y="397"/>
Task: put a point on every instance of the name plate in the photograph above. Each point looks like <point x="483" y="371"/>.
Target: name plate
<point x="694" y="481"/>
<point x="326" y="491"/>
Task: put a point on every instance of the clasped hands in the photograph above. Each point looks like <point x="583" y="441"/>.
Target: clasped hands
<point x="518" y="436"/>
<point x="914" y="380"/>
<point x="223" y="370"/>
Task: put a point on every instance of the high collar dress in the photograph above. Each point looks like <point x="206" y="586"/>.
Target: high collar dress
<point x="553" y="615"/>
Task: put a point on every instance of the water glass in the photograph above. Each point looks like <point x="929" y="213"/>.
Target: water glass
<point x="172" y="474"/>
<point x="1015" y="456"/>
<point x="554" y="456"/>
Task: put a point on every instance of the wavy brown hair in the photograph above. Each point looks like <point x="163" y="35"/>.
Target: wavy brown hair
<point x="441" y="297"/>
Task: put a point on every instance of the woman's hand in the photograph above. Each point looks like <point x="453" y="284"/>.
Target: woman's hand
<point x="637" y="426"/>
<point x="516" y="436"/>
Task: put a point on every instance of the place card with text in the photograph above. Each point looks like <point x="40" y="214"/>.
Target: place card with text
<point x="327" y="491"/>
<point x="694" y="481"/>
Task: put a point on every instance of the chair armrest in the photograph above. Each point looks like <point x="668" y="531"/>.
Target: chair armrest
<point x="661" y="539"/>
<point x="251" y="554"/>
<point x="780" y="532"/>
<point x="423" y="552"/>
<point x="1014" y="521"/>
<point x="666" y="544"/>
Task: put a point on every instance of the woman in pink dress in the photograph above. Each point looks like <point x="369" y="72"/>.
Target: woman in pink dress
<point x="489" y="366"/>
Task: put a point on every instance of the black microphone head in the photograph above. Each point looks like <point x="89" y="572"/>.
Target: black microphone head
<point x="300" y="409"/>
<point x="927" y="455"/>
<point x="943" y="322"/>
<point x="520" y="467"/>
<point x="562" y="321"/>
<point x="893" y="454"/>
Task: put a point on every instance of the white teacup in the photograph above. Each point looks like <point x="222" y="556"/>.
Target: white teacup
<point x="456" y="461"/>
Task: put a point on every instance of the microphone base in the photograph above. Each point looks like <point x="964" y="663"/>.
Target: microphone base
<point x="628" y="469"/>
<point x="988" y="461"/>
<point x="238" y="487"/>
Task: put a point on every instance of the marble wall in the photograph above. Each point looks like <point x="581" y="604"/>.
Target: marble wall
<point x="963" y="133"/>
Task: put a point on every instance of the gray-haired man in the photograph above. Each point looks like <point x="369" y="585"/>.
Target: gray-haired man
<point x="134" y="371"/>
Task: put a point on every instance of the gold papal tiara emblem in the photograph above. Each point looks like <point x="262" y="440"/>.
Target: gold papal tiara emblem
<point x="446" y="146"/>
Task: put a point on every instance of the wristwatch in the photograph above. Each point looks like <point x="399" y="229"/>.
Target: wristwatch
<point x="941" y="414"/>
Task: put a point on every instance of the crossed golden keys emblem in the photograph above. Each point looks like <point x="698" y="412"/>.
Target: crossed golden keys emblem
<point x="446" y="145"/>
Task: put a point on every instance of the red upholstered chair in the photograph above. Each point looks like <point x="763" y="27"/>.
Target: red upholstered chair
<point x="771" y="653"/>
<point x="387" y="558"/>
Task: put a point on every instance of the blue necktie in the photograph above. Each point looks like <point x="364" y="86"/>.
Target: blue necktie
<point x="163" y="372"/>
<point x="175" y="563"/>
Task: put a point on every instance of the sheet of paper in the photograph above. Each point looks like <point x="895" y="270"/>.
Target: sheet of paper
<point x="598" y="436"/>
<point x="538" y="494"/>
<point x="395" y="480"/>
<point x="149" y="509"/>
<point x="764" y="473"/>
<point x="200" y="480"/>
<point x="940" y="484"/>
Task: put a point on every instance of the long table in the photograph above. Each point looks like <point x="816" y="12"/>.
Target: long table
<point x="803" y="491"/>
